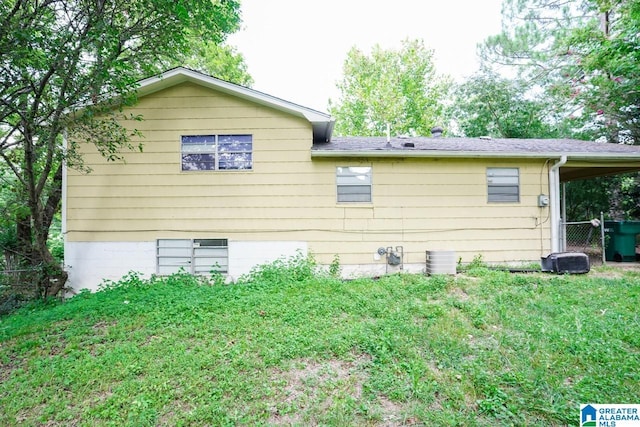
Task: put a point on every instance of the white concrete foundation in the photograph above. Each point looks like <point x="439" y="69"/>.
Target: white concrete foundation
<point x="378" y="269"/>
<point x="90" y="263"/>
<point x="244" y="255"/>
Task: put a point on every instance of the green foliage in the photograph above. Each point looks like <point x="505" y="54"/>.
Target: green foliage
<point x="617" y="196"/>
<point x="609" y="68"/>
<point x="488" y="105"/>
<point x="216" y="278"/>
<point x="579" y="64"/>
<point x="334" y="267"/>
<point x="477" y="266"/>
<point x="221" y="61"/>
<point x="283" y="271"/>
<point x="498" y="349"/>
<point x="55" y="242"/>
<point x="69" y="69"/>
<point x="395" y="87"/>
<point x="582" y="56"/>
<point x="56" y="247"/>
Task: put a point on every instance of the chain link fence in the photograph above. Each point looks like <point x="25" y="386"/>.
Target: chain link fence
<point x="16" y="288"/>
<point x="586" y="237"/>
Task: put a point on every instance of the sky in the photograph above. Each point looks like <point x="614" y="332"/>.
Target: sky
<point x="295" y="49"/>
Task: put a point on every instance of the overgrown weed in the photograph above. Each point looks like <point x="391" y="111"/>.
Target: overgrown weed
<point x="291" y="345"/>
<point x="283" y="271"/>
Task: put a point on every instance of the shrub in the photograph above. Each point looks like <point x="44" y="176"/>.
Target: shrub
<point x="282" y="271"/>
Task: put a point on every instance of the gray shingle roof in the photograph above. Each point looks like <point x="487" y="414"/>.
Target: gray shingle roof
<point x="472" y="147"/>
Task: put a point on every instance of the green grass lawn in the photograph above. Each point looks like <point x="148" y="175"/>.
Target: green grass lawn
<point x="289" y="347"/>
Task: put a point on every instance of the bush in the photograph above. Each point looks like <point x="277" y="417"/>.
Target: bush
<point x="283" y="271"/>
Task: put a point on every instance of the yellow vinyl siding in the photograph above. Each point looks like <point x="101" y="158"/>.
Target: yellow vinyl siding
<point x="421" y="204"/>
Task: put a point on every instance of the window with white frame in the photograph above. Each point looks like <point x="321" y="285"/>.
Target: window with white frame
<point x="195" y="256"/>
<point x="503" y="185"/>
<point x="217" y="152"/>
<point x="354" y="184"/>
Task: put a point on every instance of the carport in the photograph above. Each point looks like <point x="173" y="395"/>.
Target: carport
<point x="608" y="160"/>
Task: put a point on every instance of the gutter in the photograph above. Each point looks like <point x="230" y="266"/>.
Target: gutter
<point x="554" y="205"/>
<point x="620" y="157"/>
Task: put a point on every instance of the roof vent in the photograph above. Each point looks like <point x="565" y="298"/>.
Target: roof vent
<point x="486" y="138"/>
<point x="409" y="144"/>
<point x="436" y="132"/>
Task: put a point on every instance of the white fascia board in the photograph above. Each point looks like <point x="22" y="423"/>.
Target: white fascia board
<point x="620" y="157"/>
<point x="181" y="75"/>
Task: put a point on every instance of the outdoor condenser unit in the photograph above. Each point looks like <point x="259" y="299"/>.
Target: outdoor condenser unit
<point x="566" y="263"/>
<point x="440" y="262"/>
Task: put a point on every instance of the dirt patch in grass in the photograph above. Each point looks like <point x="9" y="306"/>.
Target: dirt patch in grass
<point x="614" y="270"/>
<point x="177" y="409"/>
<point x="310" y="388"/>
<point x="460" y="294"/>
<point x="102" y="327"/>
<point x="391" y="413"/>
<point x="483" y="343"/>
<point x="329" y="392"/>
<point x="6" y="368"/>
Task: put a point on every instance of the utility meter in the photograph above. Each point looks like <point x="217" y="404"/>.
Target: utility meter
<point x="543" y="200"/>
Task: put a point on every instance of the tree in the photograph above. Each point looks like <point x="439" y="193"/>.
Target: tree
<point x="618" y="196"/>
<point x="583" y="55"/>
<point x="221" y="61"/>
<point x="68" y="68"/>
<point x="209" y="57"/>
<point x="609" y="67"/>
<point x="490" y="105"/>
<point x="395" y="87"/>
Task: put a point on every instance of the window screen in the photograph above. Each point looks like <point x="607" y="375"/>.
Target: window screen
<point x="503" y="185"/>
<point x="217" y="152"/>
<point x="354" y="184"/>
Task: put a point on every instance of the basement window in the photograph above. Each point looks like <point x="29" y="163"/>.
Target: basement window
<point x="217" y="152"/>
<point x="354" y="184"/>
<point x="195" y="256"/>
<point x="503" y="185"/>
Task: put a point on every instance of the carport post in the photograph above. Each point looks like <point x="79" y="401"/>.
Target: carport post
<point x="563" y="218"/>
<point x="602" y="242"/>
<point x="554" y="199"/>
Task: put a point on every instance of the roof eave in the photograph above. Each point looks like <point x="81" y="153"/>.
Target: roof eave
<point x="322" y="123"/>
<point x="474" y="154"/>
<point x="180" y="74"/>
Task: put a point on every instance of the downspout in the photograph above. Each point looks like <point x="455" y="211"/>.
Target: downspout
<point x="554" y="202"/>
<point x="63" y="207"/>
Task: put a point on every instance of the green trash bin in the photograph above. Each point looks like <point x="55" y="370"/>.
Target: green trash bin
<point x="620" y="240"/>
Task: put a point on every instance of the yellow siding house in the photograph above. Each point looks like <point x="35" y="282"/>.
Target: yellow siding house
<point x="230" y="178"/>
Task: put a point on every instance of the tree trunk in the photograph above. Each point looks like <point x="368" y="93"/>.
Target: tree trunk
<point x="52" y="277"/>
<point x="48" y="276"/>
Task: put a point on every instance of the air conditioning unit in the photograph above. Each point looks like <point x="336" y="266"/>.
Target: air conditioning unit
<point x="441" y="262"/>
<point x="566" y="263"/>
